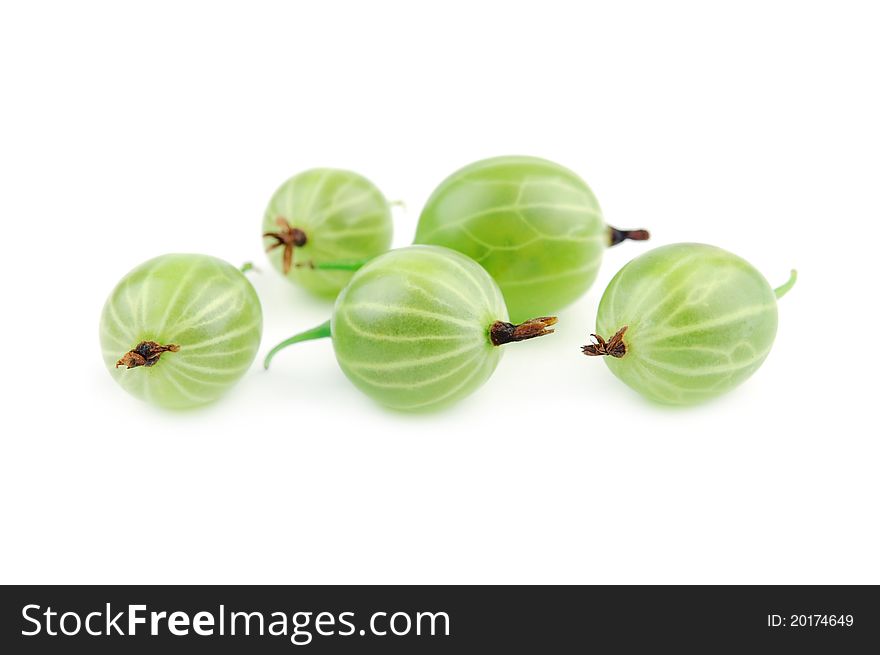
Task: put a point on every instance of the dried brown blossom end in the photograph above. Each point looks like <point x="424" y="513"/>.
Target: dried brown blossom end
<point x="502" y="332"/>
<point x="146" y="353"/>
<point x="614" y="347"/>
<point x="287" y="237"/>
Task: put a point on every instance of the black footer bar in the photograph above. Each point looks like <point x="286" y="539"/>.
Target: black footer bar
<point x="445" y="619"/>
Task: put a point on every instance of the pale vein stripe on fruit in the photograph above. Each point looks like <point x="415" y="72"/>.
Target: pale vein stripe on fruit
<point x="235" y="307"/>
<point x="414" y="385"/>
<point x="565" y="207"/>
<point x="427" y="298"/>
<point x="175" y="295"/>
<point x="338" y="235"/>
<point x="552" y="276"/>
<point x="144" y="293"/>
<point x="171" y="376"/>
<point x="515" y="209"/>
<point x="577" y="188"/>
<point x="326" y="212"/>
<point x="123" y="332"/>
<point x="568" y="236"/>
<point x="412" y="363"/>
<point x="358" y="329"/>
<point x="343" y="188"/>
<point x="450" y="393"/>
<point x="319" y="186"/>
<point x="613" y="287"/>
<point x="480" y="285"/>
<point x="227" y="353"/>
<point x="686" y="304"/>
<point x="132" y="307"/>
<point x="407" y="311"/>
<point x="524" y="244"/>
<point x="702" y="371"/>
<point x="534" y="182"/>
<point x="111" y="356"/>
<point x="181" y="370"/>
<point x="690" y="349"/>
<point x="211" y="370"/>
<point x="473" y="237"/>
<point x="205" y="286"/>
<point x="669" y="293"/>
<point x="468" y="302"/>
<point x="227" y="336"/>
<point x="652" y="381"/>
<point x="229" y="301"/>
<point x="661" y="334"/>
<point x="282" y="204"/>
<point x="658" y="279"/>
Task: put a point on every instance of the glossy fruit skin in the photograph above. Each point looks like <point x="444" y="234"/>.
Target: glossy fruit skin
<point x="534" y="225"/>
<point x="411" y="330"/>
<point x="344" y="217"/>
<point x="201" y="303"/>
<point x="700" y="321"/>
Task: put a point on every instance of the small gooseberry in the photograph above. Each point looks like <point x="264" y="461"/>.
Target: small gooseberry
<point x="325" y="214"/>
<point x="179" y="330"/>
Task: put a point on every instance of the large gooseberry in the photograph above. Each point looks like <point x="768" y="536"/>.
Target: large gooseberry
<point x="534" y="225"/>
<point x="420" y="327"/>
<point x="686" y="322"/>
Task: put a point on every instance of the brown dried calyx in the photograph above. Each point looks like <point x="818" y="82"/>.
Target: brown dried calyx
<point x="146" y="353"/>
<point x="619" y="236"/>
<point x="502" y="332"/>
<point x="287" y="237"/>
<point x="614" y="347"/>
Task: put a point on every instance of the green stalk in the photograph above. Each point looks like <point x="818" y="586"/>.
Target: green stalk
<point x="785" y="288"/>
<point x="320" y="332"/>
<point x="341" y="265"/>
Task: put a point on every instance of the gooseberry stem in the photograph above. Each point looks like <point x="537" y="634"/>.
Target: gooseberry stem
<point x="503" y="332"/>
<point x="614" y="347"/>
<point x="785" y="288"/>
<point x="619" y="236"/>
<point x="247" y="266"/>
<point x="342" y="265"/>
<point x="320" y="332"/>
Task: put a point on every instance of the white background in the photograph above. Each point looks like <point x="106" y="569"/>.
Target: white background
<point x="131" y="130"/>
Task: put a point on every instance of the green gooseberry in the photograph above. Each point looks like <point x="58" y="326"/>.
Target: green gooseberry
<point x="419" y="328"/>
<point x="686" y="322"/>
<point x="534" y="225"/>
<point x="325" y="214"/>
<point x="179" y="330"/>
